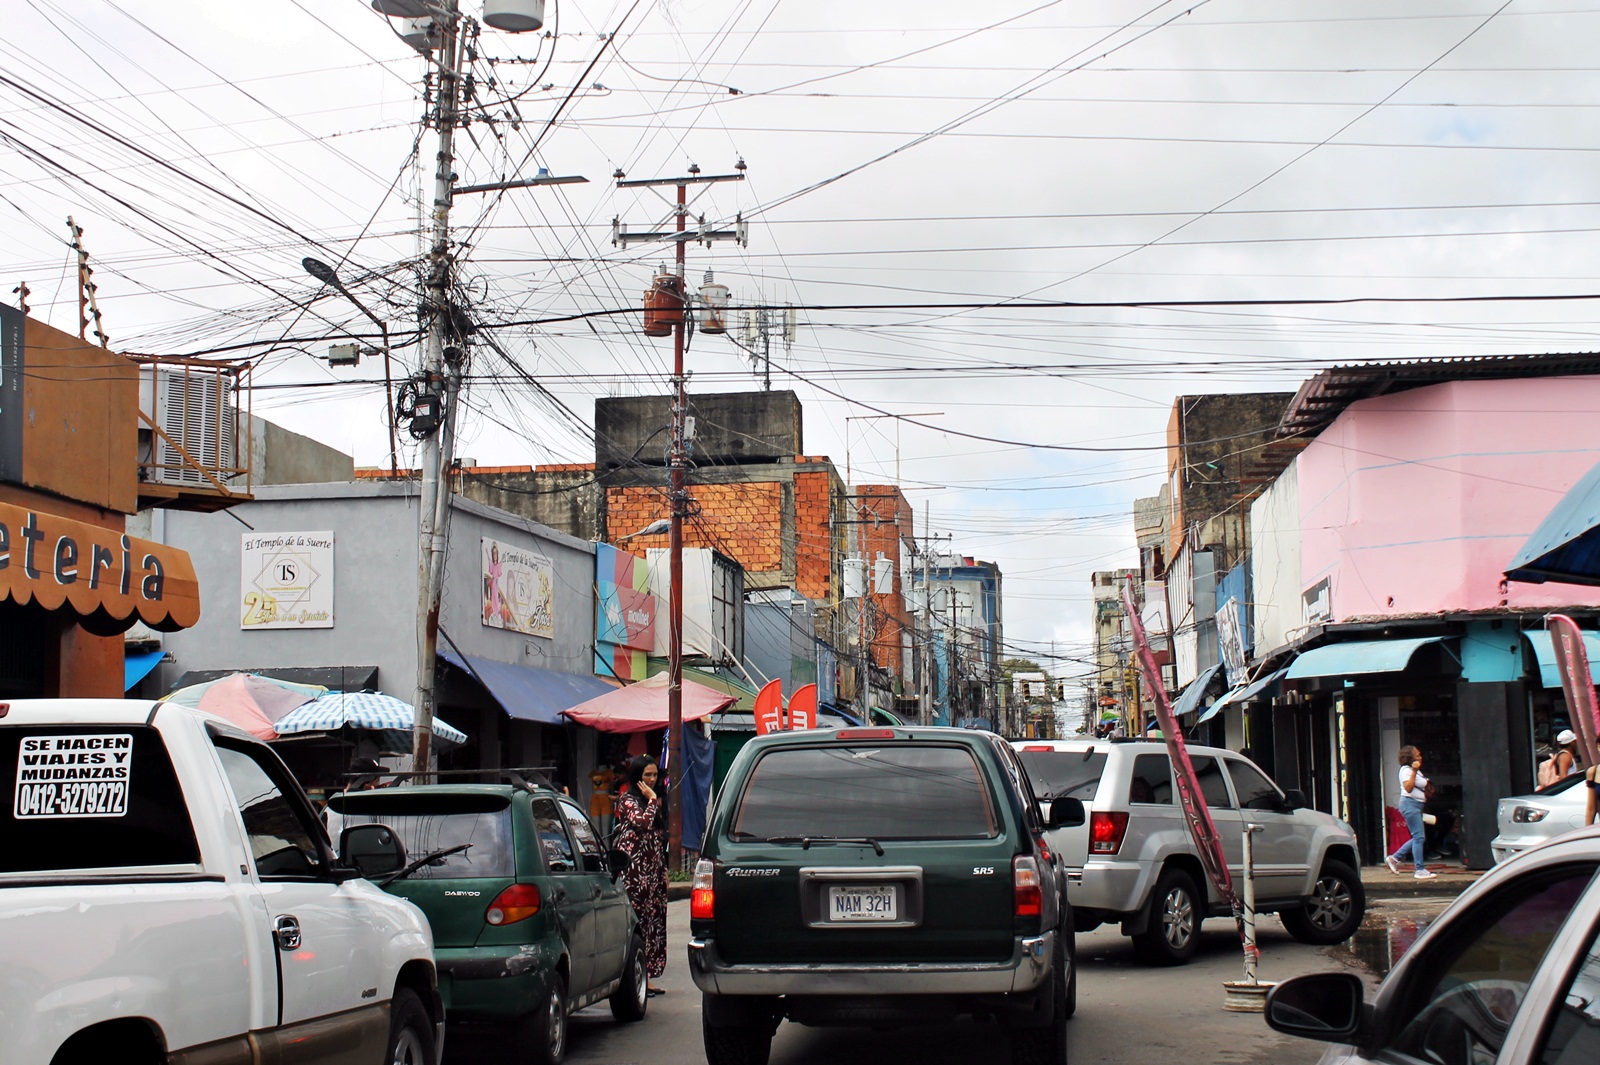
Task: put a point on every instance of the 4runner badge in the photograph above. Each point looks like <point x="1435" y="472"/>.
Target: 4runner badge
<point x="983" y="870"/>
<point x="749" y="872"/>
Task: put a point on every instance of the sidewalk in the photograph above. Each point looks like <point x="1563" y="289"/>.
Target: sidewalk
<point x="1452" y="880"/>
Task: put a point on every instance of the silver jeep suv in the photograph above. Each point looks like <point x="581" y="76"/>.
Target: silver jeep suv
<point x="1133" y="860"/>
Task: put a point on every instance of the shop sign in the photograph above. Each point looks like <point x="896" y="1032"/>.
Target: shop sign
<point x="286" y="580"/>
<point x="518" y="590"/>
<point x="57" y="562"/>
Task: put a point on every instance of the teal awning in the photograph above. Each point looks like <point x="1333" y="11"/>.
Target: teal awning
<point x="1357" y="657"/>
<point x="1189" y="701"/>
<point x="1243" y="693"/>
<point x="137" y="665"/>
<point x="1549" y="674"/>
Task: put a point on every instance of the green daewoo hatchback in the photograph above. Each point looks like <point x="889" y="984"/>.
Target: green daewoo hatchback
<point x="529" y="922"/>
<point x="881" y="877"/>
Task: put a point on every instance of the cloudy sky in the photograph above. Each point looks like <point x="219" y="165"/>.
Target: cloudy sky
<point x="927" y="184"/>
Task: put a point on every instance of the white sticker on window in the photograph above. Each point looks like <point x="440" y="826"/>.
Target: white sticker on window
<point x="73" y="776"/>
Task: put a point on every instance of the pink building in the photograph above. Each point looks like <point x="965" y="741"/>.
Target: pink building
<point x="1377" y="567"/>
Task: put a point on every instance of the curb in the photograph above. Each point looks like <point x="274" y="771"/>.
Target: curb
<point x="1450" y="882"/>
<point x="677" y="889"/>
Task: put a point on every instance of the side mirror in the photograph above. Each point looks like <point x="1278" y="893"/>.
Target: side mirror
<point x="620" y="860"/>
<point x="1325" y="1006"/>
<point x="1294" y="799"/>
<point x="371" y="850"/>
<point x="1065" y="813"/>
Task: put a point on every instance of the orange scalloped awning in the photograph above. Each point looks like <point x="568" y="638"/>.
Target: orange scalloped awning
<point x="109" y="579"/>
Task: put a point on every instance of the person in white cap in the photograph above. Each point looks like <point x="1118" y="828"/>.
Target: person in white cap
<point x="1566" y="756"/>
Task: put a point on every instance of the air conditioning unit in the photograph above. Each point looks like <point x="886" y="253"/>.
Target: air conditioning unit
<point x="193" y="406"/>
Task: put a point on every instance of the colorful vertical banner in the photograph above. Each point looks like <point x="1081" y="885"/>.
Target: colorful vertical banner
<point x="624" y="614"/>
<point x="803" y="707"/>
<point x="1201" y="827"/>
<point x="1577" y="683"/>
<point x="769" y="708"/>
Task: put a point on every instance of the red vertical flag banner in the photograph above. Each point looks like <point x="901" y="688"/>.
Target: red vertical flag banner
<point x="1577" y="683"/>
<point x="803" y="707"/>
<point x="1195" y="812"/>
<point x="769" y="708"/>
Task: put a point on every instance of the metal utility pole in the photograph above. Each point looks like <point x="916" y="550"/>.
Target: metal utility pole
<point x="927" y="615"/>
<point x="678" y="494"/>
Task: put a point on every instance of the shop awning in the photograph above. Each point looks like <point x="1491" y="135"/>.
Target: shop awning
<point x="528" y="693"/>
<point x="1189" y="698"/>
<point x="1243" y="693"/>
<point x="1545" y="655"/>
<point x="108" y="579"/>
<point x="642" y="707"/>
<point x="1566" y="546"/>
<point x="138" y="665"/>
<point x="1357" y="657"/>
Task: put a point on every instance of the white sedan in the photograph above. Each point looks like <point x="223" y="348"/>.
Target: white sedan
<point x="1529" y="820"/>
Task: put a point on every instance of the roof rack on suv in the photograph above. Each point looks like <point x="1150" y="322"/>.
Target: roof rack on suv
<point x="517" y="777"/>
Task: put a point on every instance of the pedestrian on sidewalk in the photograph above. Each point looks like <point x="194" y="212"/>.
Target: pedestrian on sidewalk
<point x="1413" y="796"/>
<point x="641" y="833"/>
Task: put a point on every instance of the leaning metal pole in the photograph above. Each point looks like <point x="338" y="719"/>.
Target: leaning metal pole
<point x="430" y="524"/>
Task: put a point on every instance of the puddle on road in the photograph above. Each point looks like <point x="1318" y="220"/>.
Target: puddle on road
<point x="1384" y="937"/>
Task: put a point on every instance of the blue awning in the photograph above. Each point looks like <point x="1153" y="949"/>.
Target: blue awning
<point x="1566" y="546"/>
<point x="1189" y="698"/>
<point x="1243" y="693"/>
<point x="137" y="666"/>
<point x="529" y="693"/>
<point x="1545" y="654"/>
<point x="1357" y="657"/>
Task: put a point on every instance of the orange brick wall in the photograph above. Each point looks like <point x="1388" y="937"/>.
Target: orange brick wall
<point x="743" y="521"/>
<point x="814" y="550"/>
<point x="885" y="503"/>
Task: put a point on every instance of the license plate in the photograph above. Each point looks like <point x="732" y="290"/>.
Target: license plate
<point x="862" y="904"/>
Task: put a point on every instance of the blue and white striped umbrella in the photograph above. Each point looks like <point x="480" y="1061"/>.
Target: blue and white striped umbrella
<point x="369" y="710"/>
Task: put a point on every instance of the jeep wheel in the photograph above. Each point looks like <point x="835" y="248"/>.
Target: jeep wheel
<point x="410" y="1031"/>
<point x="632" y="998"/>
<point x="1047" y="1045"/>
<point x="1173" y="930"/>
<point x="542" y="1035"/>
<point x="1333" y="912"/>
<point x="736" y="1044"/>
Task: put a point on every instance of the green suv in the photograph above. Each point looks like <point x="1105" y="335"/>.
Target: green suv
<point x="529" y="922"/>
<point x="880" y="877"/>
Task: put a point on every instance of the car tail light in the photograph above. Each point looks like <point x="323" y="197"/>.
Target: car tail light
<point x="864" y="734"/>
<point x="516" y="903"/>
<point x="1106" y="831"/>
<point x="702" y="891"/>
<point x="1028" y="899"/>
<point x="1528" y="815"/>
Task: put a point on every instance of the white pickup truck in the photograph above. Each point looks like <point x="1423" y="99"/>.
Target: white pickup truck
<point x="168" y="895"/>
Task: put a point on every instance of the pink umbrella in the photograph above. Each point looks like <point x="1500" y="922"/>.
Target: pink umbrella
<point x="642" y="707"/>
<point x="252" y="702"/>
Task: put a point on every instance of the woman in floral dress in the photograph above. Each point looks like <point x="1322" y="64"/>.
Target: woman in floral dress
<point x="641" y="832"/>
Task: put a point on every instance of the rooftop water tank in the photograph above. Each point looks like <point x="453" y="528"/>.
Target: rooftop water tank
<point x="401" y="8"/>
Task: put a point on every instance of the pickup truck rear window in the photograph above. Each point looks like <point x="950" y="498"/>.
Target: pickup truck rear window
<point x="1064" y="774"/>
<point x="90" y="797"/>
<point x="889" y="791"/>
<point x="426" y="824"/>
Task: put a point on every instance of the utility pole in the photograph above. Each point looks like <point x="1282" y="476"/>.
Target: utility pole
<point x="678" y="494"/>
<point x="927" y="615"/>
<point x="442" y="374"/>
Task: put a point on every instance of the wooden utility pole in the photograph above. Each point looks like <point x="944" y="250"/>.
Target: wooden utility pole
<point x="677" y="492"/>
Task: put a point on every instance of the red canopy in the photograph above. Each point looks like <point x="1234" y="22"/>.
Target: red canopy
<point x="642" y="707"/>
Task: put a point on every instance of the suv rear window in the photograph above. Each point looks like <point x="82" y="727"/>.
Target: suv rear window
<point x="1063" y="774"/>
<point x="891" y="791"/>
<point x="1152" y="779"/>
<point x="428" y="823"/>
<point x="91" y="797"/>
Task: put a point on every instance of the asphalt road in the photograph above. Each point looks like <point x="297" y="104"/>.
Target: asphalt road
<point x="1127" y="1013"/>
